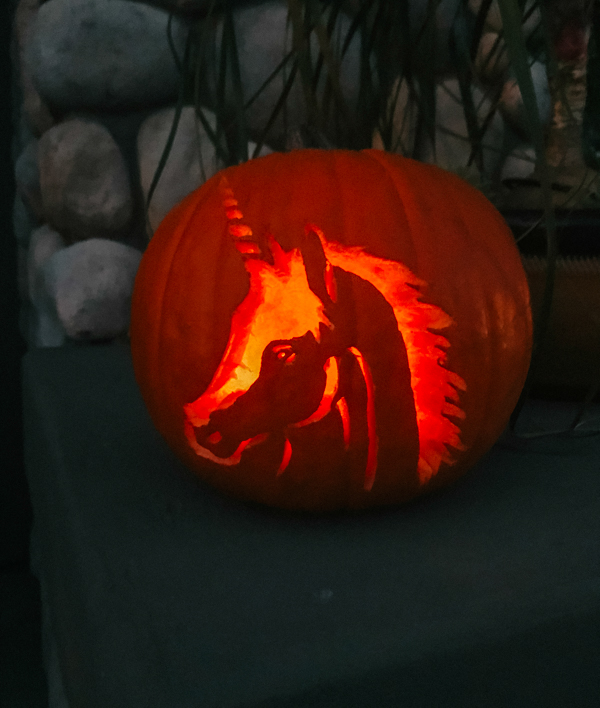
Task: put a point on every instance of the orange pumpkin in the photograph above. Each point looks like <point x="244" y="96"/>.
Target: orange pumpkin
<point x="331" y="329"/>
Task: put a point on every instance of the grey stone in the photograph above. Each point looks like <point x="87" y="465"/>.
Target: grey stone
<point x="184" y="6"/>
<point x="452" y="144"/>
<point x="84" y="181"/>
<point x="492" y="60"/>
<point x="519" y="163"/>
<point x="27" y="177"/>
<point x="35" y="110"/>
<point x="511" y="101"/>
<point x="124" y="129"/>
<point x="91" y="283"/>
<point x="197" y="8"/>
<point x="101" y="54"/>
<point x="493" y="19"/>
<point x="191" y="161"/>
<point x="263" y="39"/>
<point x="45" y="329"/>
<point x="452" y="148"/>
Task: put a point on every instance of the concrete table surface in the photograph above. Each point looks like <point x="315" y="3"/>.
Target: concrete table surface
<point x="160" y="592"/>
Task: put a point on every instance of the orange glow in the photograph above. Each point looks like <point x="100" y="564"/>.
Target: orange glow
<point x="239" y="230"/>
<point x="233" y="213"/>
<point x="342" y="407"/>
<point x="280" y="305"/>
<point x="331" y="387"/>
<point x="227" y="195"/>
<point x="330" y="282"/>
<point x="247" y="247"/>
<point x="207" y="454"/>
<point x="287" y="456"/>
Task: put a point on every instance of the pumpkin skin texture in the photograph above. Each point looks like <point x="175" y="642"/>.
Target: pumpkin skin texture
<point x="328" y="329"/>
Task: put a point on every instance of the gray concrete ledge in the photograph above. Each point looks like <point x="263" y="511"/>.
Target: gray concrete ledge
<point x="163" y="593"/>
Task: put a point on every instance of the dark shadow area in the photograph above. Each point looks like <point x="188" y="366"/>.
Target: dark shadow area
<point x="520" y="672"/>
<point x="22" y="679"/>
<point x="15" y="511"/>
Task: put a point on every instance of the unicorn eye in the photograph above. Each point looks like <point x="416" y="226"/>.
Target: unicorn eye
<point x="284" y="353"/>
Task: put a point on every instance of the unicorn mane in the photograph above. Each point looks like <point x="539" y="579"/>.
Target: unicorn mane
<point x="435" y="388"/>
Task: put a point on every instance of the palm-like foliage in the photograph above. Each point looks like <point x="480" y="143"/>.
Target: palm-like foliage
<point x="400" y="50"/>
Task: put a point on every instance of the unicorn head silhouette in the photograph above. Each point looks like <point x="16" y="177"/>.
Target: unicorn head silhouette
<point x="297" y="355"/>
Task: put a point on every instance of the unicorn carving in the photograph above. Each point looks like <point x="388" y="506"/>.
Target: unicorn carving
<point x="297" y="354"/>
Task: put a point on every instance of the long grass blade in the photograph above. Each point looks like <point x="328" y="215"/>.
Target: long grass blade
<point x="178" y="61"/>
<point x="276" y="109"/>
<point x="271" y="77"/>
<point x="240" y="147"/>
<point x="171" y="137"/>
<point x="300" y="43"/>
<point x="459" y="51"/>
<point x="515" y="41"/>
<point x="333" y="71"/>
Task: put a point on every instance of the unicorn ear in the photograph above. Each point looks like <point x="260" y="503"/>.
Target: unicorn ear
<point x="319" y="270"/>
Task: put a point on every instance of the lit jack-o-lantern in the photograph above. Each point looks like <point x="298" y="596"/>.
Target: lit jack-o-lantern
<point x="331" y="329"/>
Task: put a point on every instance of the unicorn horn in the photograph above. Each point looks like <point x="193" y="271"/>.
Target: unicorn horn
<point x="241" y="232"/>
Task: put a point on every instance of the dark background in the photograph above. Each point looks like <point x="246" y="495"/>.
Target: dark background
<point x="15" y="514"/>
<point x="22" y="678"/>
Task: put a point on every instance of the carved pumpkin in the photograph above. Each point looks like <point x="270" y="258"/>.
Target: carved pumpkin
<point x="331" y="329"/>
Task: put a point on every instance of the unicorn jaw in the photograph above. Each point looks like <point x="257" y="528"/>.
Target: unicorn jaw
<point x="204" y="428"/>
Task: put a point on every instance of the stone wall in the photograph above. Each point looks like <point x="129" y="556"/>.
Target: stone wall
<point x="96" y="88"/>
